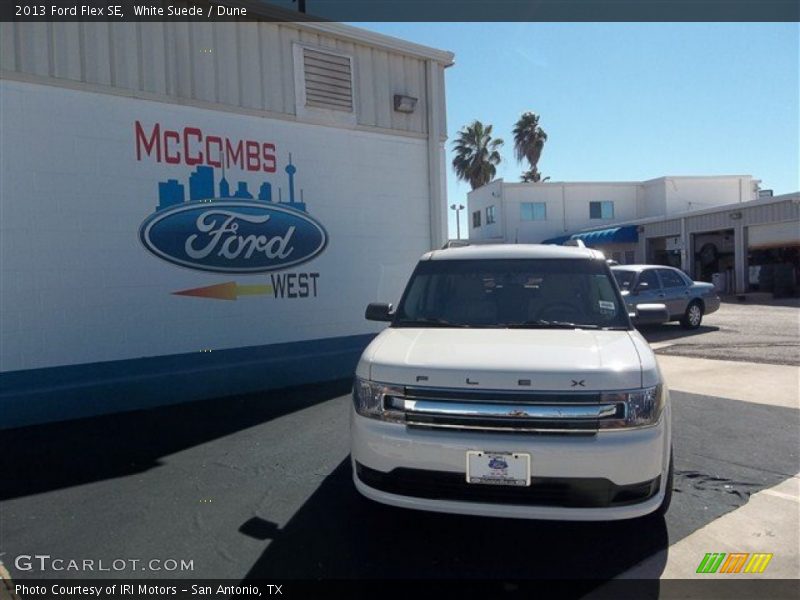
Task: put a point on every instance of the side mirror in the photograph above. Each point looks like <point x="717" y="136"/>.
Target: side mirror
<point x="378" y="311"/>
<point x="651" y="314"/>
<point x="641" y="287"/>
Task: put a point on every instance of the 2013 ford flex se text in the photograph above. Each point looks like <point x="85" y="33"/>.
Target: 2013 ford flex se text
<point x="510" y="382"/>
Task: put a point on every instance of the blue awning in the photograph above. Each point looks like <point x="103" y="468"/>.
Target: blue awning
<point x="625" y="234"/>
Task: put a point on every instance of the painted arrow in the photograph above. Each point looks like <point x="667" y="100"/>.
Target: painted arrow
<point x="229" y="290"/>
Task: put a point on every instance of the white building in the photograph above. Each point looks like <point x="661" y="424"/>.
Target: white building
<point x="714" y="228"/>
<point x="193" y="209"/>
<point x="534" y="212"/>
<point x="742" y="246"/>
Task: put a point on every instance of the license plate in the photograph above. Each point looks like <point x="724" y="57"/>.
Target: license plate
<point x="498" y="468"/>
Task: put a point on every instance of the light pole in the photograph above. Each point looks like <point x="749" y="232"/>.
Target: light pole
<point x="458" y="208"/>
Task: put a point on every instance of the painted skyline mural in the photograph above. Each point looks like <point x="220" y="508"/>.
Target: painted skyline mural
<point x="202" y="189"/>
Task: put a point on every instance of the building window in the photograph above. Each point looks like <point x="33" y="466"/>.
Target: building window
<point x="601" y="210"/>
<point x="629" y="257"/>
<point x="616" y="256"/>
<point x="476" y="219"/>
<point x="533" y="211"/>
<point x="490" y="215"/>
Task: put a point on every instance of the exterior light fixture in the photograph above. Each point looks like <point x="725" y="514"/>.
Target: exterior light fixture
<point x="404" y="104"/>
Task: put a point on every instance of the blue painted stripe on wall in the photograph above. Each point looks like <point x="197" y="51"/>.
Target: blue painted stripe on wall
<point x="70" y="392"/>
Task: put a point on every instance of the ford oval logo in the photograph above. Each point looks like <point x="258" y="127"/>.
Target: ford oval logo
<point x="233" y="236"/>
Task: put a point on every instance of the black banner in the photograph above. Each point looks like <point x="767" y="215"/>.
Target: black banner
<point x="400" y="10"/>
<point x="727" y="587"/>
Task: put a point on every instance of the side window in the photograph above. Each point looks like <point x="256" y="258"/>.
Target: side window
<point x="601" y="209"/>
<point x="476" y="219"/>
<point x="533" y="211"/>
<point x="651" y="279"/>
<point x="489" y="214"/>
<point x="671" y="279"/>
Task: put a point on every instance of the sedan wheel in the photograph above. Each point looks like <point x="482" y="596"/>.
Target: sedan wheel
<point x="693" y="316"/>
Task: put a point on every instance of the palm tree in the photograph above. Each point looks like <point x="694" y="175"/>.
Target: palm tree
<point x="532" y="175"/>
<point x="476" y="154"/>
<point x="529" y="141"/>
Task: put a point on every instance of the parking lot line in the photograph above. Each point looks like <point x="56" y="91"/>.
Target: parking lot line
<point x="776" y="385"/>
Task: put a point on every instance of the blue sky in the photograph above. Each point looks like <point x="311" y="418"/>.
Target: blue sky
<point x="628" y="101"/>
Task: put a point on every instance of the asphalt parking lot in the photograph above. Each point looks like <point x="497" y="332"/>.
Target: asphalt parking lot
<point x="259" y="487"/>
<point x="741" y="331"/>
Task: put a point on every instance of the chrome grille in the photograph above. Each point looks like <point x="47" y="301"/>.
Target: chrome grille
<point x="500" y="410"/>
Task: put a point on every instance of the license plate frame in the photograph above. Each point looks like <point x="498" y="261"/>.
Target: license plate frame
<point x="485" y="467"/>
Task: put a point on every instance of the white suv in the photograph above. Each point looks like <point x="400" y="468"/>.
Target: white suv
<point x="511" y="383"/>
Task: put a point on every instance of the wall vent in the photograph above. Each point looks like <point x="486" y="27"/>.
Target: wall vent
<point x="328" y="80"/>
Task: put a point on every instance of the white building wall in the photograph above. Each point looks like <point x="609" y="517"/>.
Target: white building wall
<point x="567" y="208"/>
<point x="480" y="200"/>
<point x="530" y="231"/>
<point x="79" y="287"/>
<point x="568" y="203"/>
<point x="653" y="198"/>
<point x="247" y="64"/>
<point x="684" y="194"/>
<point x="578" y="197"/>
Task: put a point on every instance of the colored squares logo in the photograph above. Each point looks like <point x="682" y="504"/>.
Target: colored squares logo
<point x="735" y="562"/>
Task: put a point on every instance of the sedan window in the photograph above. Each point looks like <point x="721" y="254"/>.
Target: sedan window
<point x="651" y="279"/>
<point x="671" y="278"/>
<point x="624" y="278"/>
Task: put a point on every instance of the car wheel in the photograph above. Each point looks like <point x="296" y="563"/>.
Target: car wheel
<point x="664" y="507"/>
<point x="693" y="316"/>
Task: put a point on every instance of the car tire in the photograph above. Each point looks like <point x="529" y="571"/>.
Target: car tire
<point x="664" y="506"/>
<point x="693" y="315"/>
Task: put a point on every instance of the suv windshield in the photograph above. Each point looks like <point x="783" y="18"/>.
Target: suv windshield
<point x="535" y="293"/>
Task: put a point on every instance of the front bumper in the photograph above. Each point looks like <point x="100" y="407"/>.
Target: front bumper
<point x="607" y="476"/>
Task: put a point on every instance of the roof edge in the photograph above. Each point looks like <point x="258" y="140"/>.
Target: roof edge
<point x="259" y="11"/>
<point x="386" y="42"/>
<point x="629" y="182"/>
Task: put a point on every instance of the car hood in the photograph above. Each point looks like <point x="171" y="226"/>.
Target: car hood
<point x="552" y="359"/>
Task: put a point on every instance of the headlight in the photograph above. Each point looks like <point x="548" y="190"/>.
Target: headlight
<point x="641" y="407"/>
<point x="370" y="400"/>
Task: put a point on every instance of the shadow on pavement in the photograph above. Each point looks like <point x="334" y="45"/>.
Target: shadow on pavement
<point x="339" y="534"/>
<point x="671" y="331"/>
<point x="47" y="457"/>
<point x="721" y="458"/>
<point x="757" y="300"/>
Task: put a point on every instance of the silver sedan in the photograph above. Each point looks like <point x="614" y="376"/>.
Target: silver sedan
<point x="686" y="300"/>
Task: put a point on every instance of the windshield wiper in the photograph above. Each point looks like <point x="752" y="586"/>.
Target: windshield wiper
<point x="544" y="324"/>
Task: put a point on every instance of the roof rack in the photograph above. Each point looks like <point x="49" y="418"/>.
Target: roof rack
<point x="576" y="243"/>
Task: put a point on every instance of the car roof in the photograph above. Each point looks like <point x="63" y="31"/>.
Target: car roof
<point x="640" y="267"/>
<point x="500" y="251"/>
